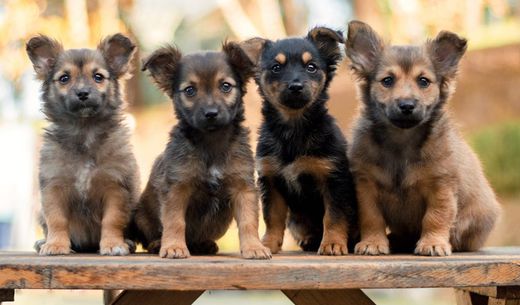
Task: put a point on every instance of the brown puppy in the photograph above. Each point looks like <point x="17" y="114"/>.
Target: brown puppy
<point x="205" y="176"/>
<point x="414" y="172"/>
<point x="88" y="175"/>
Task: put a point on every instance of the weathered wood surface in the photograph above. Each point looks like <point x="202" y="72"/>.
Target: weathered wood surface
<point x="156" y="297"/>
<point x="328" y="297"/>
<point x="503" y="292"/>
<point x="493" y="267"/>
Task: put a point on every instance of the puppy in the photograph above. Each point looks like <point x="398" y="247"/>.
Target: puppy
<point x="205" y="176"/>
<point x="302" y="164"/>
<point x="414" y="172"/>
<point x="88" y="175"/>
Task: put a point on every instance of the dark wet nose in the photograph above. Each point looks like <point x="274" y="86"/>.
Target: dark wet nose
<point x="406" y="106"/>
<point x="82" y="95"/>
<point x="211" y="113"/>
<point x="296" y="87"/>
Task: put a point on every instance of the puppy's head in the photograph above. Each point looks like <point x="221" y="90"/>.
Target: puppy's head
<point x="293" y="73"/>
<point x="80" y="83"/>
<point x="206" y="87"/>
<point x="403" y="85"/>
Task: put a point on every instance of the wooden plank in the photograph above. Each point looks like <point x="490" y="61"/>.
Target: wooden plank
<point x="493" y="301"/>
<point x="465" y="297"/>
<point x="110" y="295"/>
<point x="328" y="297"/>
<point x="504" y="292"/>
<point x="495" y="267"/>
<point x="156" y="297"/>
<point x="6" y="295"/>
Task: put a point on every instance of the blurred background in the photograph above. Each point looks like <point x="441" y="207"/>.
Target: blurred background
<point x="486" y="104"/>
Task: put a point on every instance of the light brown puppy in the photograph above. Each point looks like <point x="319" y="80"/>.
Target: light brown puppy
<point x="414" y="173"/>
<point x="88" y="174"/>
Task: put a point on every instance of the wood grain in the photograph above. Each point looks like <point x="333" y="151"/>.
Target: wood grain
<point x="493" y="267"/>
<point x="504" y="292"/>
<point x="465" y="297"/>
<point x="156" y="297"/>
<point x="328" y="297"/>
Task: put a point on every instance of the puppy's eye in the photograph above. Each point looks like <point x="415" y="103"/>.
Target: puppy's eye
<point x="64" y="79"/>
<point x="190" y="91"/>
<point x="311" y="68"/>
<point x="98" y="78"/>
<point x="276" y="68"/>
<point x="423" y="82"/>
<point x="226" y="87"/>
<point x="387" y="81"/>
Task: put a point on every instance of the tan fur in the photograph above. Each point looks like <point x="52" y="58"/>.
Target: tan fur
<point x="280" y="58"/>
<point x="275" y="228"/>
<point x="306" y="57"/>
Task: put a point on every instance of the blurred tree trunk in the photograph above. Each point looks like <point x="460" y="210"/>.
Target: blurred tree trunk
<point x="290" y="17"/>
<point x="369" y="12"/>
<point x="77" y="18"/>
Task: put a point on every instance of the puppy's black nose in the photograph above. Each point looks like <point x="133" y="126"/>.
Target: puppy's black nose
<point x="82" y="95"/>
<point x="211" y="113"/>
<point x="406" y="106"/>
<point x="296" y="87"/>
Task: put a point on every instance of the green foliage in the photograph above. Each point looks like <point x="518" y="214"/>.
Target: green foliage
<point x="499" y="150"/>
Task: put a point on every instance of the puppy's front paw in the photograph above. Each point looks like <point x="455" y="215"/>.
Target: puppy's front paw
<point x="433" y="247"/>
<point x="113" y="247"/>
<point x="55" y="248"/>
<point x="373" y="247"/>
<point x="174" y="251"/>
<point x="333" y="248"/>
<point x="257" y="251"/>
<point x="274" y="243"/>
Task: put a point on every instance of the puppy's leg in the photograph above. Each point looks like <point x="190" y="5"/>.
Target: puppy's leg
<point x="173" y="219"/>
<point x="115" y="218"/>
<point x="55" y="208"/>
<point x="371" y="221"/>
<point x="440" y="214"/>
<point x="275" y="215"/>
<point x="244" y="199"/>
<point x="335" y="227"/>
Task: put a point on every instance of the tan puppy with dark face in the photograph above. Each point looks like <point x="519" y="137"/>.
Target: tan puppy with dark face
<point x="414" y="173"/>
<point x="88" y="174"/>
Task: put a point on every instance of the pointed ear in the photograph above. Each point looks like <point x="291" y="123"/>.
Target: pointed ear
<point x="327" y="41"/>
<point x="117" y="51"/>
<point x="446" y="50"/>
<point x="163" y="64"/>
<point x="239" y="60"/>
<point x="363" y="47"/>
<point x="254" y="47"/>
<point x="43" y="53"/>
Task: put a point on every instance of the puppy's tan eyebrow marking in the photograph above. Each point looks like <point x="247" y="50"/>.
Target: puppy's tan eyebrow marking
<point x="281" y="58"/>
<point x="306" y="57"/>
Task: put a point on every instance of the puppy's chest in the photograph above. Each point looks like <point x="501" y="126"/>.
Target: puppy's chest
<point x="83" y="175"/>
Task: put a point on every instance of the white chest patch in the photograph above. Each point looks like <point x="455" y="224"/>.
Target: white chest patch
<point x="84" y="177"/>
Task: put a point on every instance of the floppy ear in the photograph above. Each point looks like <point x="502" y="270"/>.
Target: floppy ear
<point x="239" y="60"/>
<point x="253" y="48"/>
<point x="446" y="50"/>
<point x="163" y="64"/>
<point x="43" y="53"/>
<point x="363" y="47"/>
<point x="327" y="41"/>
<point x="117" y="51"/>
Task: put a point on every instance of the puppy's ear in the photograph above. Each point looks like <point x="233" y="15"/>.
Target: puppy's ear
<point x="327" y="41"/>
<point x="446" y="50"/>
<point x="254" y="47"/>
<point x="239" y="60"/>
<point x="163" y="64"/>
<point x="43" y="53"/>
<point x="117" y="51"/>
<point x="363" y="47"/>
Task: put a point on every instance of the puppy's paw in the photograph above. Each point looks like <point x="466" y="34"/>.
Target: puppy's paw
<point x="131" y="245"/>
<point x="257" y="251"/>
<point x="114" y="247"/>
<point x="333" y="248"/>
<point x="433" y="247"/>
<point x="274" y="243"/>
<point x="174" y="251"/>
<point x="55" y="248"/>
<point x="373" y="247"/>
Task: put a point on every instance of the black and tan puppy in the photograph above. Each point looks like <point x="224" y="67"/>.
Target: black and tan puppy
<point x="205" y="176"/>
<point x="301" y="154"/>
<point x="88" y="175"/>
<point x="414" y="172"/>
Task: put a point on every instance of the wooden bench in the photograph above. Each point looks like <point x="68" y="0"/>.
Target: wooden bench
<point x="489" y="277"/>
